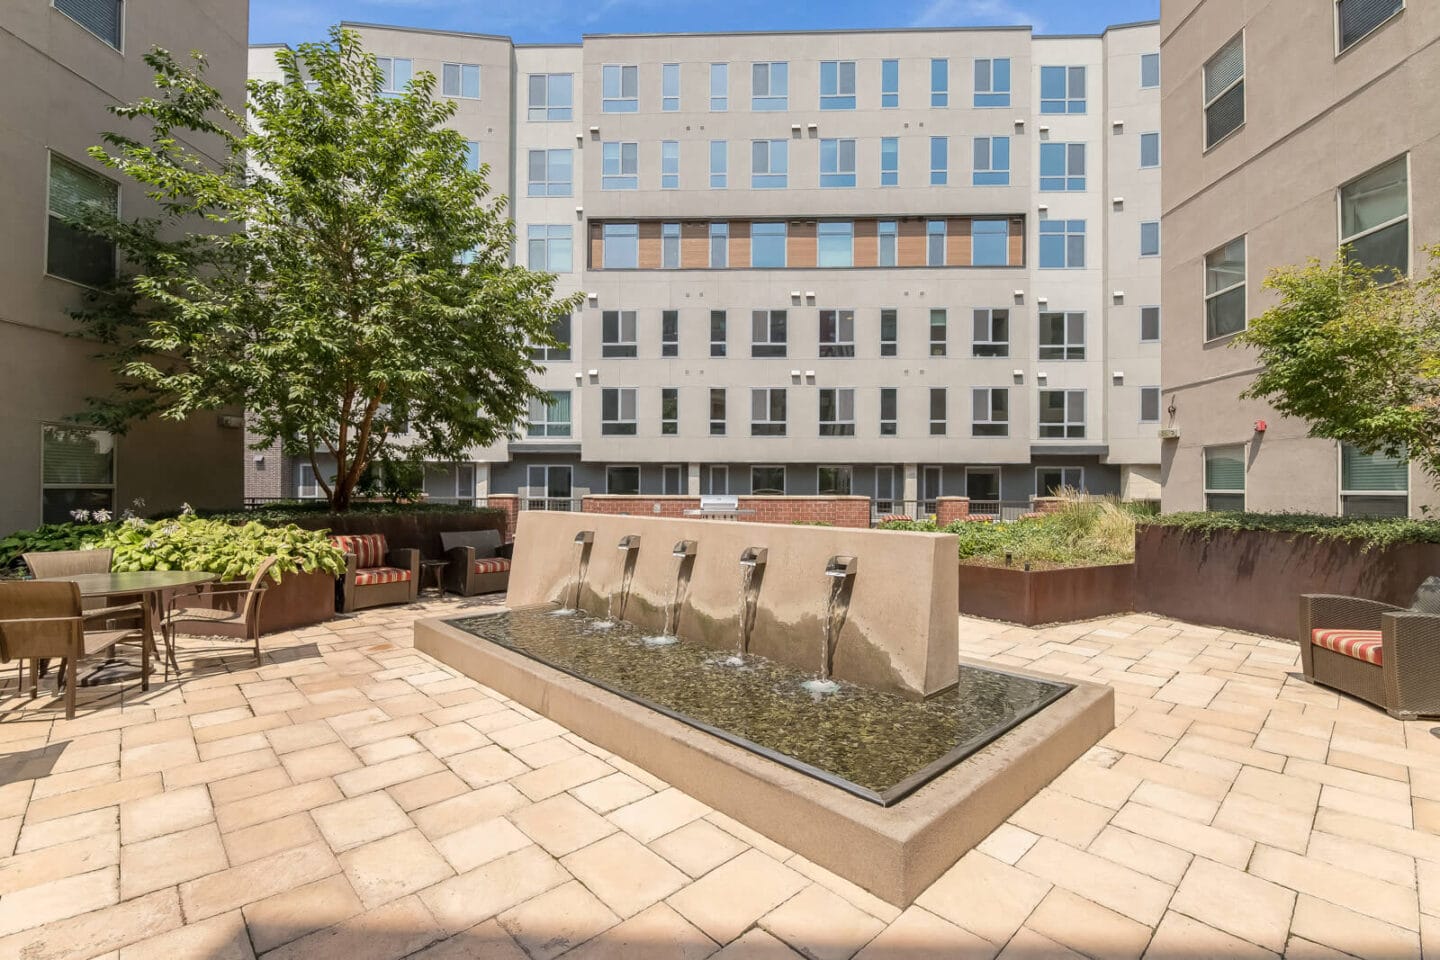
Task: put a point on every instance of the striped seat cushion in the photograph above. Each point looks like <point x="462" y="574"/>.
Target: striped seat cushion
<point x="1360" y="644"/>
<point x="369" y="548"/>
<point x="373" y="575"/>
<point x="896" y="518"/>
<point x="493" y="565"/>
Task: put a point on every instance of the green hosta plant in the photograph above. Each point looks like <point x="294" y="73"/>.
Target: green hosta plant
<point x="47" y="539"/>
<point x="232" y="552"/>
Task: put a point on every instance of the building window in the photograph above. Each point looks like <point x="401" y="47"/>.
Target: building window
<point x="717" y="412"/>
<point x="620" y="168"/>
<point x="767" y="412"/>
<point x="104" y="18"/>
<point x="715" y="479"/>
<point x="460" y="80"/>
<point x="1225" y="478"/>
<point x="560" y="333"/>
<point x="1149" y="324"/>
<point x="395" y="73"/>
<point x="1062" y="336"/>
<point x="1225" y="92"/>
<point x="939" y="161"/>
<point x="1149" y="238"/>
<point x="620" y="246"/>
<point x="1054" y="481"/>
<point x="767" y="245"/>
<point x="1149" y="404"/>
<point x="837" y="163"/>
<point x="619" y="88"/>
<point x="669" y="411"/>
<point x="549" y="247"/>
<point x="992" y="162"/>
<point x="992" y="82"/>
<point x="719" y="164"/>
<point x="550" y="416"/>
<point x="769" y="86"/>
<point x="931" y="484"/>
<point x="1225" y="290"/>
<point x="717" y="333"/>
<point x="837" y="85"/>
<point x="719" y="246"/>
<point x="889" y="83"/>
<point x="670" y="333"/>
<point x="669" y="87"/>
<point x="617" y="334"/>
<point x="835" y="241"/>
<point x="719" y="87"/>
<point x="549" y="173"/>
<point x="670" y="246"/>
<point x="768" y="333"/>
<point x="833" y="481"/>
<point x="769" y="164"/>
<point x="1375" y="218"/>
<point x="549" y="487"/>
<point x="990" y="415"/>
<point x="939" y="82"/>
<point x="937" y="411"/>
<point x="889" y="412"/>
<point x="1373" y="484"/>
<point x="1149" y="71"/>
<point x="889" y="161"/>
<point x="837" y="333"/>
<point x="1062" y="166"/>
<point x="1149" y="150"/>
<point x="837" y="412"/>
<point x="887" y="235"/>
<point x="307" y="487"/>
<point x="617" y="412"/>
<point x="1357" y="19"/>
<point x="991" y="333"/>
<point x="77" y="469"/>
<point x="71" y="251"/>
<point x="669" y="164"/>
<point x="672" y="479"/>
<point x="472" y="156"/>
<point x="767" y="481"/>
<point x="990" y="243"/>
<point x="1062" y="89"/>
<point x="934" y="243"/>
<point x="622" y="481"/>
<point x="889" y="332"/>
<point x="937" y="333"/>
<point x="1062" y="244"/>
<point x="1062" y="414"/>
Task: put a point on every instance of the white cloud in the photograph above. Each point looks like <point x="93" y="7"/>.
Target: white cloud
<point x="971" y="13"/>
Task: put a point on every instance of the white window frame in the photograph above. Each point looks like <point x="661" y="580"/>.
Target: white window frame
<point x="988" y="347"/>
<point x="619" y="103"/>
<point x="1159" y="320"/>
<point x="720" y="102"/>
<point x="1244" y="491"/>
<point x="1000" y="98"/>
<point x="839" y="176"/>
<point x="629" y="232"/>
<point x="669" y="164"/>
<point x="841" y="470"/>
<point x="763" y="172"/>
<point x="612" y="467"/>
<point x="835" y="235"/>
<point x="627" y="341"/>
<point x="545" y="112"/>
<point x="784" y="237"/>
<point x="544" y="470"/>
<point x="990" y="420"/>
<point x="893" y="422"/>
<point x="549" y="354"/>
<point x="670" y="427"/>
<point x="549" y="185"/>
<point x="1342" y="493"/>
<point x="717" y="471"/>
<point x="1065" y="424"/>
<point x="937" y="238"/>
<point x="677" y="470"/>
<point x="472" y="155"/>
<point x="460" y="70"/>
<point x="1403" y="218"/>
<point x="940" y="346"/>
<point x="1143" y="391"/>
<point x="117" y="47"/>
<point x="887" y="243"/>
<point x="985" y="172"/>
<point x="939" y="95"/>
<point x="1064" y="471"/>
<point x="1069" y="99"/>
<point x="112" y="486"/>
<point x="669" y="346"/>
<point x="784" y="477"/>
<point x="1242" y="283"/>
<point x="1207" y="102"/>
<point x="769" y="425"/>
<point x="943" y="422"/>
<point x="620" y="165"/>
<point x="1147" y="56"/>
<point x="1156" y="164"/>
<point x="884" y="489"/>
<point x="840" y="345"/>
<point x="841" y="425"/>
<point x="1155" y="225"/>
<point x="770" y="347"/>
<point x="1361" y="39"/>
<point x="838" y="98"/>
<point x="550" y="237"/>
<point x="889" y="99"/>
<point x="387" y="75"/>
<point x="50" y="159"/>
<point x="1068" y="181"/>
<point x="617" y="427"/>
<point x="669" y="102"/>
<point x="723" y="343"/>
<point x="670" y="246"/>
<point x="940" y="175"/>
<point x="307" y="485"/>
<point x="769" y="101"/>
<point x="719" y="174"/>
<point x="718" y="245"/>
<point x="890" y="346"/>
<point x="890" y="176"/>
<point x="724" y="418"/>
<point x="1066" y="234"/>
<point x="545" y="426"/>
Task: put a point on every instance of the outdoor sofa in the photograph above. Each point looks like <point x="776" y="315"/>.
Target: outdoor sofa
<point x="479" y="562"/>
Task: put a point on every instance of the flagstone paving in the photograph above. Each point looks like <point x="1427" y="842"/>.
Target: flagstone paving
<point x="352" y="798"/>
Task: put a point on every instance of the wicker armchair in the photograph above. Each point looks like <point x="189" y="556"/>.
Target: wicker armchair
<point x="69" y="563"/>
<point x="1381" y="653"/>
<point x="374" y="574"/>
<point x="479" y="562"/>
<point x="236" y="604"/>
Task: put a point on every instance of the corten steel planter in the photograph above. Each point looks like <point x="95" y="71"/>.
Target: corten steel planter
<point x="1031" y="597"/>
<point x="298" y="600"/>
<point x="1252" y="579"/>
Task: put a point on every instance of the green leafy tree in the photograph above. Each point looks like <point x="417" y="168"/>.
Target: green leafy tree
<point x="1356" y="354"/>
<point x="349" y="282"/>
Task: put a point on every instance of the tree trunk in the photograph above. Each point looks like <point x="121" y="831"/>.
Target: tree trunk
<point x="341" y="494"/>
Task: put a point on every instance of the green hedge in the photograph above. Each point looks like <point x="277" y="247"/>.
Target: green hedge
<point x="294" y="511"/>
<point x="1368" y="532"/>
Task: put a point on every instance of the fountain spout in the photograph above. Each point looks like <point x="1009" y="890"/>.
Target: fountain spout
<point x="754" y="556"/>
<point x="585" y="536"/>
<point x="629" y="542"/>
<point x="683" y="549"/>
<point x="842" y="567"/>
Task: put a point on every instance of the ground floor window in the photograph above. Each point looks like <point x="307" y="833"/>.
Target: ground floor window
<point x="1372" y="484"/>
<point x="673" y="478"/>
<point x="77" y="471"/>
<point x="767" y="481"/>
<point x="622" y="480"/>
<point x="885" y="490"/>
<point x="833" y="481"/>
<point x="931" y="479"/>
<point x="1049" y="481"/>
<point x="715" y="480"/>
<point x="982" y="486"/>
<point x="1225" y="478"/>
<point x="548" y="487"/>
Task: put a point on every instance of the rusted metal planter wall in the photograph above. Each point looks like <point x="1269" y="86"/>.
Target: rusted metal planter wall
<point x="298" y="600"/>
<point x="1031" y="597"/>
<point x="1252" y="580"/>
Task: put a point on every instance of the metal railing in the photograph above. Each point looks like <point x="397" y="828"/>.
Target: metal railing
<point x="562" y="504"/>
<point x="1002" y="510"/>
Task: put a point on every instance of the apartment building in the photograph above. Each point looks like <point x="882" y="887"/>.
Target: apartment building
<point x="1290" y="128"/>
<point x="62" y="64"/>
<point x="902" y="264"/>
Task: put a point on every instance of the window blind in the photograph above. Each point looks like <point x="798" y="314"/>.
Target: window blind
<point x="74" y="190"/>
<point x="1359" y="17"/>
<point x="1372" y="472"/>
<point x="76" y="456"/>
<point x="101" y="17"/>
<point x="1225" y="468"/>
<point x="1224" y="68"/>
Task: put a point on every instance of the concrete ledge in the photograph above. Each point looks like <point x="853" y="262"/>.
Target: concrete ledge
<point x="894" y="852"/>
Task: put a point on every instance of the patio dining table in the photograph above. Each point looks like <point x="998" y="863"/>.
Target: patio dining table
<point x="151" y="586"/>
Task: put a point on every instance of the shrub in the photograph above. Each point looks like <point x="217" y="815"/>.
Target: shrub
<point x="1368" y="532"/>
<point x="294" y="511"/>
<point x="1084" y="532"/>
<point x="913" y="526"/>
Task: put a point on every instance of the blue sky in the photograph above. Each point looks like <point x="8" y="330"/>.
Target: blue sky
<point x="539" y="21"/>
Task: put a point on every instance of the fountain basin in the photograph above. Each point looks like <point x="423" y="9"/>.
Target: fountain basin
<point x="893" y="851"/>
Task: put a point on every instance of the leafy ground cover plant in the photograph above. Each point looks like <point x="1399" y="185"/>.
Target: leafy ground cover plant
<point x="1084" y="532"/>
<point x="1367" y="532"/>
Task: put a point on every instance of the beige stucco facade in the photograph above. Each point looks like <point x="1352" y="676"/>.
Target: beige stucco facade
<point x="57" y="80"/>
<point x="1315" y="120"/>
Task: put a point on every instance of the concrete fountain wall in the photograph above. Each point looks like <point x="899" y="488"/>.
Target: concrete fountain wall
<point x="900" y="634"/>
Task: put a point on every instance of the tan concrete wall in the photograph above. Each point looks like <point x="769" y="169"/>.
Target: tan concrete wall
<point x="901" y="632"/>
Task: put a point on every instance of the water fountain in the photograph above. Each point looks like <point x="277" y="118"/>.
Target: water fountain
<point x="684" y="554"/>
<point x="570" y="599"/>
<point x="841" y="571"/>
<point x="630" y="546"/>
<point x="752" y="573"/>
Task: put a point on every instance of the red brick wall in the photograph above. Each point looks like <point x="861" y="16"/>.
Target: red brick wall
<point x="837" y="511"/>
<point x="510" y="503"/>
<point x="950" y="509"/>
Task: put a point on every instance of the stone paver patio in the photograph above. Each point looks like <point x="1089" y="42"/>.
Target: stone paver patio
<point x="353" y="799"/>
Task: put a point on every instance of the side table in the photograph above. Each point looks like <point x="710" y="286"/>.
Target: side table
<point x="438" y="566"/>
